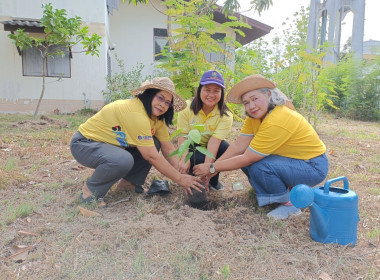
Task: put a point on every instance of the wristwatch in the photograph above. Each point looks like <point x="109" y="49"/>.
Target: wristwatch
<point x="212" y="168"/>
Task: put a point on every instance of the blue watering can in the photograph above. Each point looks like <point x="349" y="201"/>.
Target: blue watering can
<point x="334" y="213"/>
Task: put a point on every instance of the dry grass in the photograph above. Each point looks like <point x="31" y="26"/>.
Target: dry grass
<point x="162" y="237"/>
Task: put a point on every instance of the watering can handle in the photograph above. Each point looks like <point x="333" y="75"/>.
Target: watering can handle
<point x="326" y="188"/>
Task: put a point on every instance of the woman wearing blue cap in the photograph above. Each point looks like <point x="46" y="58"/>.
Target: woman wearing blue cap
<point x="208" y="108"/>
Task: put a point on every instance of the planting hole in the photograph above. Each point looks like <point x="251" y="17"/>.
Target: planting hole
<point x="205" y="206"/>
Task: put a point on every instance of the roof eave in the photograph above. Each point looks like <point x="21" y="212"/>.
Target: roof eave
<point x="258" y="29"/>
<point x="29" y="25"/>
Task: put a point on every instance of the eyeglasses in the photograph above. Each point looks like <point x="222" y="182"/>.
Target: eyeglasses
<point x="162" y="99"/>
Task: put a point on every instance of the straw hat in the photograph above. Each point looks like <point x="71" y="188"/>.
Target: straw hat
<point x="246" y="85"/>
<point x="165" y="84"/>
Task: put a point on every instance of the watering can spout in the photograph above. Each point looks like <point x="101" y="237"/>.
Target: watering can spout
<point x="321" y="220"/>
<point x="302" y="196"/>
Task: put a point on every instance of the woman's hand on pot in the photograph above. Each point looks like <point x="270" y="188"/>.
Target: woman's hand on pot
<point x="190" y="182"/>
<point x="206" y="181"/>
<point x="202" y="170"/>
<point x="184" y="167"/>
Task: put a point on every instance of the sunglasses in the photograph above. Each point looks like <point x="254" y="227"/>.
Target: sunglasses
<point x="162" y="99"/>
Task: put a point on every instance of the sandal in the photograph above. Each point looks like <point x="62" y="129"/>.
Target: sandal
<point x="92" y="199"/>
<point x="124" y="185"/>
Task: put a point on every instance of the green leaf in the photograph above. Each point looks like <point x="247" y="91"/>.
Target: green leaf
<point x="178" y="131"/>
<point x="204" y="151"/>
<point x="198" y="126"/>
<point x="188" y="156"/>
<point x="195" y="135"/>
<point x="174" y="153"/>
<point x="206" y="133"/>
<point x="184" y="147"/>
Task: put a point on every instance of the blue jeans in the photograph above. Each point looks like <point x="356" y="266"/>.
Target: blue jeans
<point x="272" y="176"/>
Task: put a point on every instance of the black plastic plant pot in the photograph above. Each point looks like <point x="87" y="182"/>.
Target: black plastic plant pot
<point x="197" y="197"/>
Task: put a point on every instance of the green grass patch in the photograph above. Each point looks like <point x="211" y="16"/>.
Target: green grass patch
<point x="22" y="210"/>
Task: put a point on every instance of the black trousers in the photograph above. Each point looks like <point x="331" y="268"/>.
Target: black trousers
<point x="198" y="158"/>
<point x="141" y="167"/>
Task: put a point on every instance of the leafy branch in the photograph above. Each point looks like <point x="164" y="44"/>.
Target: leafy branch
<point x="193" y="139"/>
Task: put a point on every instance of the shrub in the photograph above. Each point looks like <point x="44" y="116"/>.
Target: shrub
<point x="120" y="85"/>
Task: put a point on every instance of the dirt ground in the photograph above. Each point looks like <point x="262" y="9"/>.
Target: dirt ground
<point x="140" y="237"/>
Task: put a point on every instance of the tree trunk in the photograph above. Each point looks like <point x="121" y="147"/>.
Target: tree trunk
<point x="43" y="85"/>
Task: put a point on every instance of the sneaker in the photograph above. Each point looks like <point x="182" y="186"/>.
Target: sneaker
<point x="283" y="212"/>
<point x="218" y="187"/>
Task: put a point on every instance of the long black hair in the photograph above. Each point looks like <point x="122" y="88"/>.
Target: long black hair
<point x="196" y="104"/>
<point x="147" y="97"/>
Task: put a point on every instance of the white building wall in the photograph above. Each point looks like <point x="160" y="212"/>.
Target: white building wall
<point x="131" y="29"/>
<point x="20" y="93"/>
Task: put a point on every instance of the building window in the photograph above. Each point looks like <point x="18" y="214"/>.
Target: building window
<point x="213" y="56"/>
<point x="57" y="65"/>
<point x="160" y="38"/>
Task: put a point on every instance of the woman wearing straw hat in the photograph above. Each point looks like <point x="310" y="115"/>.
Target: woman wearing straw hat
<point x="122" y="141"/>
<point x="208" y="108"/>
<point x="277" y="148"/>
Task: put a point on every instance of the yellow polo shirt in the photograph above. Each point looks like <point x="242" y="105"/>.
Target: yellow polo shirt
<point x="124" y="123"/>
<point x="283" y="132"/>
<point x="219" y="126"/>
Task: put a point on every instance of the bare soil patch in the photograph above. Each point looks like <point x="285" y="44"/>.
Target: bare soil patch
<point x="140" y="237"/>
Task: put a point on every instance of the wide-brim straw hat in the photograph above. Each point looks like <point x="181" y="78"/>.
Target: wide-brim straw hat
<point x="165" y="84"/>
<point x="248" y="84"/>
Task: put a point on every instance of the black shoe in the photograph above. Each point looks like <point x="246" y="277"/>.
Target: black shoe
<point x="218" y="187"/>
<point x="139" y="189"/>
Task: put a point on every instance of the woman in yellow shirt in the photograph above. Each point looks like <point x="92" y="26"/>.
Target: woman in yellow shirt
<point x="208" y="108"/>
<point x="277" y="147"/>
<point x="122" y="141"/>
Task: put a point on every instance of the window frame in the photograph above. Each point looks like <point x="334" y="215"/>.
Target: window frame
<point x="52" y="63"/>
<point x="213" y="56"/>
<point x="161" y="33"/>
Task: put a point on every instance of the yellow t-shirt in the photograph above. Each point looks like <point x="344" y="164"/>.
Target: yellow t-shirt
<point x="124" y="123"/>
<point x="283" y="132"/>
<point x="219" y="126"/>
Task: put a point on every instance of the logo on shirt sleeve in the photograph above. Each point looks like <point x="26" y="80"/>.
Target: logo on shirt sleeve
<point x="144" y="137"/>
<point x="120" y="136"/>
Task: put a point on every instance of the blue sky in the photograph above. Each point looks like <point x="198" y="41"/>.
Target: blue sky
<point x="282" y="9"/>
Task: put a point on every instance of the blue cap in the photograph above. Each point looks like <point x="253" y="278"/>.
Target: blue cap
<point x="212" y="77"/>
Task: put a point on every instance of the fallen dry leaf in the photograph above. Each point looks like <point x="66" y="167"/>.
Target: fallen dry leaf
<point x="19" y="253"/>
<point x="28" y="220"/>
<point x="79" y="167"/>
<point x="87" y="213"/>
<point x="324" y="276"/>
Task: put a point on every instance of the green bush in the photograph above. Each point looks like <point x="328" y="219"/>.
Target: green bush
<point x="363" y="102"/>
<point x="120" y="84"/>
<point x="357" y="89"/>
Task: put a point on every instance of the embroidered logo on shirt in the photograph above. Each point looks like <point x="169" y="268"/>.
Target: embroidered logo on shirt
<point x="144" y="137"/>
<point x="120" y="136"/>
